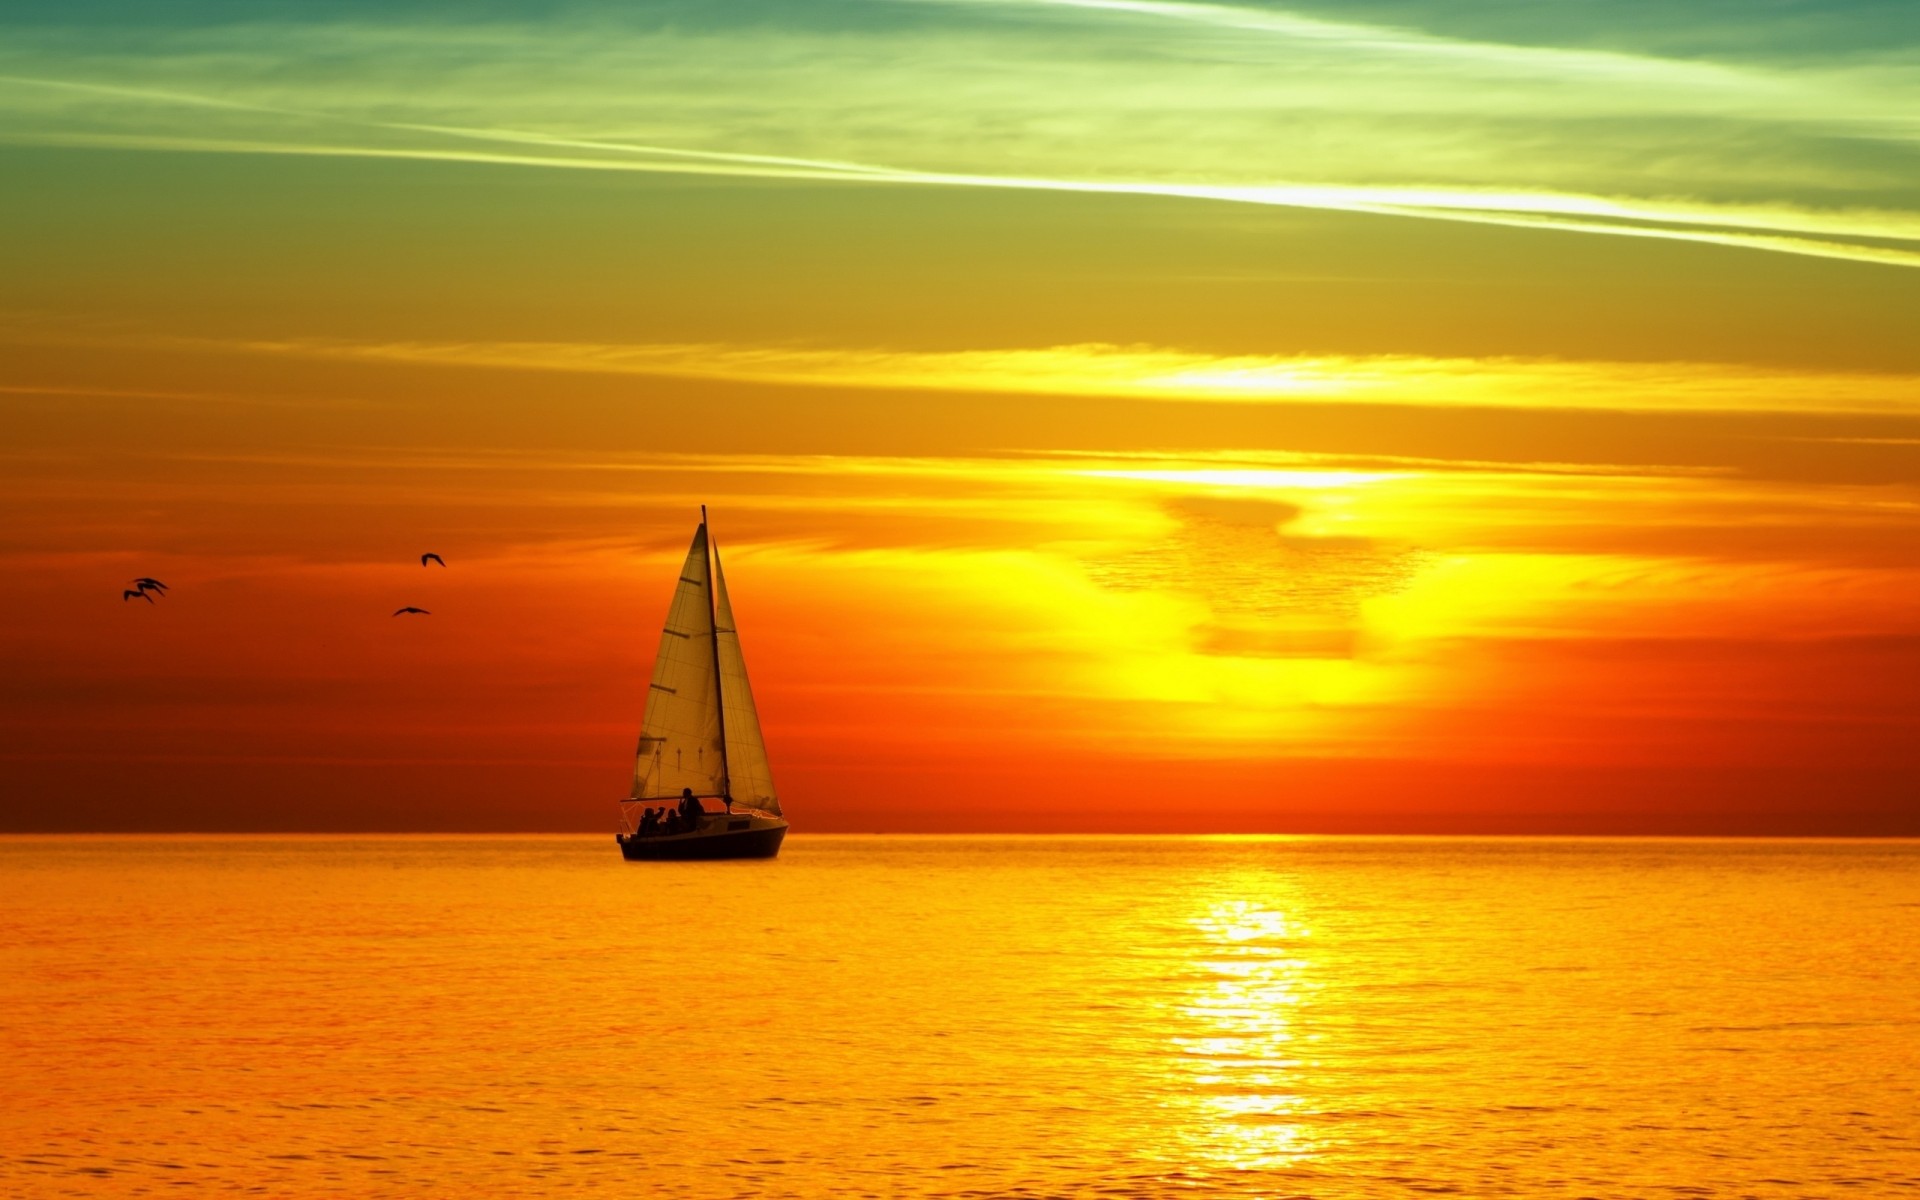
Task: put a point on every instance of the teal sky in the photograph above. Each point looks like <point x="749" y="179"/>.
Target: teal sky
<point x="1782" y="126"/>
<point x="1473" y="180"/>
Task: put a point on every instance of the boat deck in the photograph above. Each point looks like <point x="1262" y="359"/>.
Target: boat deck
<point x="721" y="835"/>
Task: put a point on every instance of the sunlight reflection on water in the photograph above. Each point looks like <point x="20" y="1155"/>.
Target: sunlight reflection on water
<point x="1240" y="1058"/>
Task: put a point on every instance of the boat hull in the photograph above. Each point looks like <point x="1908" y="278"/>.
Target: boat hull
<point x="762" y="842"/>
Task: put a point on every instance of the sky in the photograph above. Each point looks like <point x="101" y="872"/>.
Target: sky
<point x="1377" y="416"/>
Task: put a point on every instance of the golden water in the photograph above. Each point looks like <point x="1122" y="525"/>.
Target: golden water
<point x="959" y="1016"/>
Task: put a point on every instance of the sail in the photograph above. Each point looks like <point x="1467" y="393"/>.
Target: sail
<point x="747" y="768"/>
<point x="680" y="737"/>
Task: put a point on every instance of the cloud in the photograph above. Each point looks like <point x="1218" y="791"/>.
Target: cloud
<point x="1156" y="373"/>
<point x="1209" y="103"/>
<point x="1270" y="592"/>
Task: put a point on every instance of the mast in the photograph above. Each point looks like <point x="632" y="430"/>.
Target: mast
<point x="713" y="625"/>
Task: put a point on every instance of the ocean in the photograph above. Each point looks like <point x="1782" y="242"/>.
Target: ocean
<point x="959" y="1016"/>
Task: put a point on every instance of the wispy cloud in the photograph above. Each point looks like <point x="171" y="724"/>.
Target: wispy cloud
<point x="1205" y="102"/>
<point x="1296" y="27"/>
<point x="1847" y="234"/>
<point x="1164" y="373"/>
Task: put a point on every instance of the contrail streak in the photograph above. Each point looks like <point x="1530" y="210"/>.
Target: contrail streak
<point x="1842" y="234"/>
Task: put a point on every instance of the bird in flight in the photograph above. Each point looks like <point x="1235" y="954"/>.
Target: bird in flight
<point x="133" y="594"/>
<point x="427" y="558"/>
<point x="150" y="585"/>
<point x="399" y="612"/>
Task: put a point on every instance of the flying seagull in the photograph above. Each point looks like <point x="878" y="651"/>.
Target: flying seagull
<point x="427" y="558"/>
<point x="411" y="609"/>
<point x="131" y="594"/>
<point x="150" y="585"/>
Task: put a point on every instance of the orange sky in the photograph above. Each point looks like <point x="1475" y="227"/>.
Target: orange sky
<point x="1217" y="633"/>
<point x="1257" y="457"/>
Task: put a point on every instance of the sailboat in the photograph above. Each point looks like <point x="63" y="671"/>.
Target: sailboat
<point x="700" y="739"/>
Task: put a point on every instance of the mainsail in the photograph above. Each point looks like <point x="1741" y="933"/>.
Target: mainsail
<point x="747" y="769"/>
<point x="680" y="741"/>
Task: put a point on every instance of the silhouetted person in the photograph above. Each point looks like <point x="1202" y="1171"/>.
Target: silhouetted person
<point x="131" y="594"/>
<point x="427" y="558"/>
<point x="690" y="811"/>
<point x="672" y="825"/>
<point x="400" y="612"/>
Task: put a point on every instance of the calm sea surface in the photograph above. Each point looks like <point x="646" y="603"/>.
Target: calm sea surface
<point x="887" y="1016"/>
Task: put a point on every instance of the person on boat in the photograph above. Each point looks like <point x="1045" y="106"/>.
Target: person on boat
<point x="671" y="825"/>
<point x="649" y="823"/>
<point x="690" y="810"/>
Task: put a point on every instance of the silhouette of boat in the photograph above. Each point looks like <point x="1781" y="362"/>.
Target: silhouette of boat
<point x="700" y="738"/>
